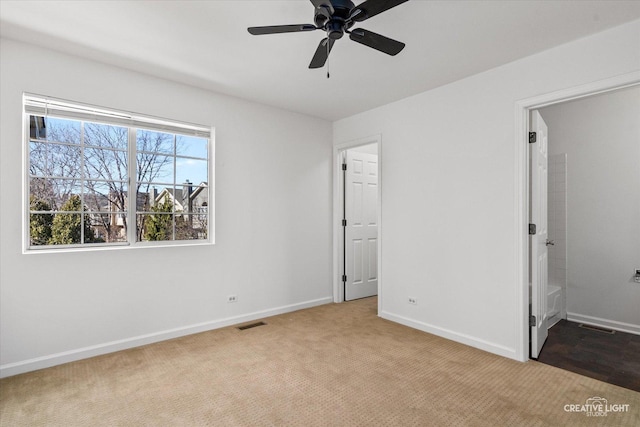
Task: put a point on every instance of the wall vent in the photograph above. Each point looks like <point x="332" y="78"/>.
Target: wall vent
<point x="251" y="325"/>
<point x="597" y="328"/>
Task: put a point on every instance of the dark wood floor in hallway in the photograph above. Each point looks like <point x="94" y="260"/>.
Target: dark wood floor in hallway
<point x="612" y="358"/>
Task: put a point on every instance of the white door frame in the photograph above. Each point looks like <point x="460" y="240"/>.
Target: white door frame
<point x="338" y="150"/>
<point x="522" y="186"/>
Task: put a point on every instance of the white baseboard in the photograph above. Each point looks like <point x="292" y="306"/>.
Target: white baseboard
<point x="453" y="336"/>
<point x="29" y="365"/>
<point x="604" y="323"/>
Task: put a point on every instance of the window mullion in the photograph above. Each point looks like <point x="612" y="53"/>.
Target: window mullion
<point x="26" y="197"/>
<point x="132" y="192"/>
<point x="82" y="181"/>
<point x="175" y="187"/>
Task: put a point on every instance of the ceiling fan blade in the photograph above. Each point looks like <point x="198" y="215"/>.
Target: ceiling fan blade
<point x="376" y="41"/>
<point x="322" y="53"/>
<point x="371" y="8"/>
<point x="276" y="29"/>
<point x="323" y="3"/>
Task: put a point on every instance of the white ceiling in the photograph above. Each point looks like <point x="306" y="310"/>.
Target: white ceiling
<point x="206" y="44"/>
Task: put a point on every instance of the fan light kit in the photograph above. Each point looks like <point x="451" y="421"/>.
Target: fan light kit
<point x="336" y="17"/>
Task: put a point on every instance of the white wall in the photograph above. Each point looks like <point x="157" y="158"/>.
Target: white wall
<point x="449" y="196"/>
<point x="273" y="214"/>
<point x="601" y="137"/>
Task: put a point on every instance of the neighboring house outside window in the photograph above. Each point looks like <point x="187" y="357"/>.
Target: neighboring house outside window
<point x="85" y="163"/>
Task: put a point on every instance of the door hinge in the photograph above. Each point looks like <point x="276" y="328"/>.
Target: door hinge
<point x="532" y="321"/>
<point x="344" y="277"/>
<point x="344" y="222"/>
<point x="532" y="229"/>
<point x="532" y="137"/>
<point x="344" y="166"/>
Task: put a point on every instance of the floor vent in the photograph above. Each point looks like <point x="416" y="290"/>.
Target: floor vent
<point x="597" y="328"/>
<point x="251" y="325"/>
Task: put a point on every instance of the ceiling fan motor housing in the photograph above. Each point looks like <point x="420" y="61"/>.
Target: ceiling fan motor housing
<point x="334" y="29"/>
<point x="334" y="24"/>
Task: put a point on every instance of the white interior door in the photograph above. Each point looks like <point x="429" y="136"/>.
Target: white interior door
<point x="539" y="261"/>
<point x="361" y="231"/>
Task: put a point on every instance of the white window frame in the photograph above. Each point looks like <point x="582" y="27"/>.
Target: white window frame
<point x="48" y="106"/>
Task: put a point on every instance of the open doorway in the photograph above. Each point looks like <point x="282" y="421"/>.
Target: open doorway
<point x="594" y="208"/>
<point x="357" y="219"/>
<point x="523" y="127"/>
<point x="583" y="245"/>
<point x="593" y="227"/>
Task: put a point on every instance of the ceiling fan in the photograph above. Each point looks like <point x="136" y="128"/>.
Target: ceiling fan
<point x="336" y="17"/>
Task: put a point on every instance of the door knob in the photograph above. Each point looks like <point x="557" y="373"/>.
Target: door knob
<point x="550" y="242"/>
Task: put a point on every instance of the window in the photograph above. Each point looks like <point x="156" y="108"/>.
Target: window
<point x="102" y="178"/>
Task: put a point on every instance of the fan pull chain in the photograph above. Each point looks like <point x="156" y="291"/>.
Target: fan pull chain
<point x="328" y="50"/>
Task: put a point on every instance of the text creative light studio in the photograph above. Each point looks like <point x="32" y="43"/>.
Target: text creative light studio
<point x="597" y="407"/>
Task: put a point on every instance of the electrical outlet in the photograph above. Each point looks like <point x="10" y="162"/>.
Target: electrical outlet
<point x="232" y="298"/>
<point x="637" y="276"/>
<point x="413" y="301"/>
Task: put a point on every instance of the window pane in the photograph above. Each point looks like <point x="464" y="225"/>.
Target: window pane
<point x="192" y="198"/>
<point x="155" y="227"/>
<point x="65" y="229"/>
<point x="65" y="161"/>
<point x="107" y="228"/>
<point x="158" y="199"/>
<point x="191" y="170"/>
<point x="146" y="196"/>
<point x="107" y="136"/>
<point x="105" y="164"/>
<point x="191" y="227"/>
<point x="166" y="201"/>
<point x="156" y="142"/>
<point x="154" y="168"/>
<point x="37" y="127"/>
<point x="48" y="159"/>
<point x="55" y="193"/>
<point x="182" y="197"/>
<point x="40" y="228"/>
<point x="52" y="129"/>
<point x="38" y="159"/>
<point x="105" y="196"/>
<point x="191" y="146"/>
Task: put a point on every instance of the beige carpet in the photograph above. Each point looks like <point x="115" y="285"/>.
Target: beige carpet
<point x="334" y="365"/>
